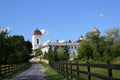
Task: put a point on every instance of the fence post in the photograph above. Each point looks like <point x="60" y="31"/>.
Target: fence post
<point x="63" y="70"/>
<point x="0" y="70"/>
<point x="109" y="70"/>
<point x="77" y="69"/>
<point x="88" y="68"/>
<point x="61" y="67"/>
<point x="58" y="67"/>
<point x="67" y="70"/>
<point x="71" y="70"/>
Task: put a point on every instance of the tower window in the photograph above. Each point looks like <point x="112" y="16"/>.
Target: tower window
<point x="37" y="41"/>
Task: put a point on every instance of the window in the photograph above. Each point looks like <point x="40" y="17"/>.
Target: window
<point x="73" y="53"/>
<point x="71" y="47"/>
<point x="75" y="47"/>
<point x="37" y="41"/>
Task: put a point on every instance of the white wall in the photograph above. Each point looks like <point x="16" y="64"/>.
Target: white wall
<point x="45" y="49"/>
<point x="34" y="41"/>
<point x="72" y="49"/>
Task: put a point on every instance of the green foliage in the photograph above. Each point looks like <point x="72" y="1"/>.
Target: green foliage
<point x="38" y="52"/>
<point x="58" y="54"/>
<point x="85" y="49"/>
<point x="14" y="49"/>
<point x="66" y="53"/>
<point x="100" y="48"/>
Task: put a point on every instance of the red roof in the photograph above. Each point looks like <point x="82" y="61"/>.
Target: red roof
<point x="37" y="32"/>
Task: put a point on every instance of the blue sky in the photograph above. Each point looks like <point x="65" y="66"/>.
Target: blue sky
<point x="63" y="19"/>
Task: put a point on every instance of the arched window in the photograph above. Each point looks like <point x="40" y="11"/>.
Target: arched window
<point x="37" y="41"/>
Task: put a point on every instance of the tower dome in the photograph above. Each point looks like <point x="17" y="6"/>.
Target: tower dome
<point x="95" y="30"/>
<point x="37" y="32"/>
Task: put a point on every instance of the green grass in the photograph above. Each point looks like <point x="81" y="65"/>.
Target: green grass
<point x="10" y="75"/>
<point x="101" y="71"/>
<point x="116" y="60"/>
<point x="50" y="73"/>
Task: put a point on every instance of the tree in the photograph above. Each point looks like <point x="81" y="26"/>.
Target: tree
<point x="112" y="49"/>
<point x="13" y="49"/>
<point x="66" y="52"/>
<point x="39" y="52"/>
<point x="28" y="46"/>
<point x="103" y="48"/>
<point x="60" y="52"/>
<point x="85" y="50"/>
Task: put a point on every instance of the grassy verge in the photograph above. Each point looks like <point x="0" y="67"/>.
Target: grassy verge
<point x="10" y="75"/>
<point x="50" y="73"/>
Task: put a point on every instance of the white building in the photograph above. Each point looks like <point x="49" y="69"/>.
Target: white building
<point x="36" y="40"/>
<point x="72" y="47"/>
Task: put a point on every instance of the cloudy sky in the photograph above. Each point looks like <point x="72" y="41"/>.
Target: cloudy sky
<point x="59" y="19"/>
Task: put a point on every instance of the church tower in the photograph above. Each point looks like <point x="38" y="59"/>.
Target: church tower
<point x="36" y="40"/>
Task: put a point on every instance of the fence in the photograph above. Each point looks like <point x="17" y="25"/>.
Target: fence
<point x="71" y="70"/>
<point x="11" y="68"/>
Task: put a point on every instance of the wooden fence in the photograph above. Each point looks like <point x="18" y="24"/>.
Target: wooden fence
<point x="71" y="70"/>
<point x="11" y="68"/>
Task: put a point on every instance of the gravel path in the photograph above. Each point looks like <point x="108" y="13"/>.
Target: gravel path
<point x="36" y="72"/>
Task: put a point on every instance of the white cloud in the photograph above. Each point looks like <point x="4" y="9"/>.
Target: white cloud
<point x="44" y="31"/>
<point x="101" y="14"/>
<point x="8" y="29"/>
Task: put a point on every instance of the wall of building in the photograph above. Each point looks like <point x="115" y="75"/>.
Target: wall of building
<point x="72" y="48"/>
<point x="36" y="41"/>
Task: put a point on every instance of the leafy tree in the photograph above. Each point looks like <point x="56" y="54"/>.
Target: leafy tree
<point x="85" y="50"/>
<point x="39" y="52"/>
<point x="28" y="46"/>
<point x="60" y="53"/>
<point x="13" y="49"/>
<point x="66" y="52"/>
<point x="98" y="47"/>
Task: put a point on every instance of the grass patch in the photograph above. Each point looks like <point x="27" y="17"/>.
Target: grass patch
<point x="116" y="60"/>
<point x="10" y="75"/>
<point x="101" y="71"/>
<point x="50" y="73"/>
